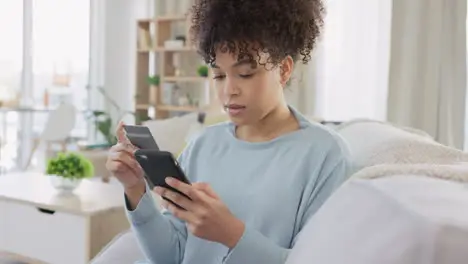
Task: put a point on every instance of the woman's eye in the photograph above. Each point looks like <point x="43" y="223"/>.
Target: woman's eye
<point x="246" y="76"/>
<point x="219" y="77"/>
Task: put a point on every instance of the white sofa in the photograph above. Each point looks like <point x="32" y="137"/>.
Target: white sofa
<point x="402" y="219"/>
<point x="392" y="218"/>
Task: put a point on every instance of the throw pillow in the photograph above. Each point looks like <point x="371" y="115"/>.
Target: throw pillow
<point x="170" y="134"/>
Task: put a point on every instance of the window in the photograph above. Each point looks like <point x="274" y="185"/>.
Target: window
<point x="11" y="30"/>
<point x="58" y="61"/>
<point x="353" y="60"/>
<point x="61" y="55"/>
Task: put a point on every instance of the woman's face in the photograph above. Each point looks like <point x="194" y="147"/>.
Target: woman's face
<point x="249" y="91"/>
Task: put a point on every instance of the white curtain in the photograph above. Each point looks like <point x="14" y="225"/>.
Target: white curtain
<point x="427" y="83"/>
<point x="401" y="61"/>
<point x="351" y="63"/>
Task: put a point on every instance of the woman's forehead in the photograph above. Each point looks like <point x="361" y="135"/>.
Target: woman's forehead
<point x="226" y="58"/>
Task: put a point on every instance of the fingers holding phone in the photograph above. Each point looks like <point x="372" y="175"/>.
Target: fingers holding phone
<point x="121" y="161"/>
<point x="122" y="136"/>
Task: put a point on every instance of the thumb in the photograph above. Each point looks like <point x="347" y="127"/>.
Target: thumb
<point x="120" y="133"/>
<point x="206" y="188"/>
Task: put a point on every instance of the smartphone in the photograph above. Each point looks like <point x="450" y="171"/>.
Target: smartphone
<point x="158" y="165"/>
<point x="140" y="137"/>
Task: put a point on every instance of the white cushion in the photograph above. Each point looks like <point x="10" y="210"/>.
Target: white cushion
<point x="170" y="134"/>
<point x="394" y="220"/>
<point x="373" y="143"/>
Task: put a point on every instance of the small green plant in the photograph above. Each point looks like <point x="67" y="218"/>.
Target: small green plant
<point x="203" y="71"/>
<point x="154" y="80"/>
<point x="71" y="166"/>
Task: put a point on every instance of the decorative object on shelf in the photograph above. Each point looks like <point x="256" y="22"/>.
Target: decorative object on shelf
<point x="167" y="93"/>
<point x="176" y="64"/>
<point x="154" y="80"/>
<point x="184" y="100"/>
<point x="192" y="101"/>
<point x="173" y="44"/>
<point x="203" y="71"/>
<point x="67" y="170"/>
<point x="181" y="38"/>
<point x="144" y="41"/>
<point x="176" y="95"/>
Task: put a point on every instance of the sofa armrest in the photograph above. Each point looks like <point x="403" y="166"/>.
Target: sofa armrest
<point x="123" y="249"/>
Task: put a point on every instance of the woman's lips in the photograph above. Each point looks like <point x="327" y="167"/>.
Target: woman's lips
<point x="234" y="109"/>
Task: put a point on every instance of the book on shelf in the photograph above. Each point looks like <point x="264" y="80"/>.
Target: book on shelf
<point x="144" y="39"/>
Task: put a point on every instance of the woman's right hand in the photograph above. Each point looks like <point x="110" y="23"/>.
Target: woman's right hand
<point x="122" y="164"/>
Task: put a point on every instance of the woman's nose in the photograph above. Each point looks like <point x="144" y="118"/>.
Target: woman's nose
<point x="230" y="88"/>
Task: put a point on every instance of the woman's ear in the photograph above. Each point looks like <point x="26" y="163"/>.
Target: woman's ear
<point x="286" y="69"/>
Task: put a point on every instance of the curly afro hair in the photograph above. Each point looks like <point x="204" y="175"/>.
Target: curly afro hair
<point x="279" y="28"/>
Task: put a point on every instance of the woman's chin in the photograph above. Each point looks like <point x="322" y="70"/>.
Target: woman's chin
<point x="240" y="121"/>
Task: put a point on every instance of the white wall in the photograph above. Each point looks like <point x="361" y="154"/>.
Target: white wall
<point x="118" y="25"/>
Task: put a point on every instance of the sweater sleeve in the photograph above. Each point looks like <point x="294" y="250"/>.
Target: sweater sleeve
<point x="161" y="236"/>
<point x="254" y="248"/>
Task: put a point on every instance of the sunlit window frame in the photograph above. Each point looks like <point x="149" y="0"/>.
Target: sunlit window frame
<point x="25" y="132"/>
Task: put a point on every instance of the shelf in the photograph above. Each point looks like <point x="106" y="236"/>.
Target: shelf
<point x="155" y="55"/>
<point x="184" y="79"/>
<point x="182" y="49"/>
<point x="177" y="108"/>
<point x="163" y="49"/>
<point x="171" y="18"/>
<point x="144" y="50"/>
<point x="167" y="18"/>
<point x="145" y="21"/>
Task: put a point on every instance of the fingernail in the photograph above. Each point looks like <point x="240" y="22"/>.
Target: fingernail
<point x="157" y="189"/>
<point x="169" y="180"/>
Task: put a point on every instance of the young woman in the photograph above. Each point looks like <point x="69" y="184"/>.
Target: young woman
<point x="261" y="176"/>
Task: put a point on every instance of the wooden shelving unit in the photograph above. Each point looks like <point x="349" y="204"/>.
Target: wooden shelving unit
<point x="155" y="57"/>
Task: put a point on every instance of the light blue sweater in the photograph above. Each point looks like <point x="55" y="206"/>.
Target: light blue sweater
<point x="274" y="187"/>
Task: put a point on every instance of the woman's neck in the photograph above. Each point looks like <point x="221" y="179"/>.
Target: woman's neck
<point x="276" y="123"/>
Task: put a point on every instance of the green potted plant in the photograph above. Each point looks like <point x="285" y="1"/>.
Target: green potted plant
<point x="203" y="71"/>
<point x="154" y="80"/>
<point x="67" y="170"/>
<point x="104" y="124"/>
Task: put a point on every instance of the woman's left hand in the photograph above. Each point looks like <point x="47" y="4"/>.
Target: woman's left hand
<point x="206" y="215"/>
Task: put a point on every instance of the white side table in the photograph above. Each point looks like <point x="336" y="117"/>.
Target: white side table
<point x="37" y="223"/>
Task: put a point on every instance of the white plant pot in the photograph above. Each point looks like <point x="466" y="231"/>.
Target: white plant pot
<point x="64" y="184"/>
